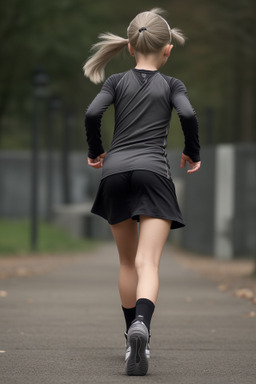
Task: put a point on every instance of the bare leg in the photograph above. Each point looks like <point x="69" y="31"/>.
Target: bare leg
<point x="126" y="238"/>
<point x="139" y="261"/>
<point x="152" y="238"/>
<point x="138" y="279"/>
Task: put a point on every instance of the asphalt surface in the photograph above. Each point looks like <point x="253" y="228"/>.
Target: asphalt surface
<point x="66" y="326"/>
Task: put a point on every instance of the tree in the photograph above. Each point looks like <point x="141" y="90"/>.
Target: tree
<point x="217" y="63"/>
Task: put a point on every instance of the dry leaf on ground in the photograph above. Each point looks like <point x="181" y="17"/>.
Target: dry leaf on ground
<point x="251" y="314"/>
<point x="244" y="293"/>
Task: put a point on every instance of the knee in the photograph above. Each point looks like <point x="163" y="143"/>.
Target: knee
<point x="145" y="262"/>
<point x="127" y="262"/>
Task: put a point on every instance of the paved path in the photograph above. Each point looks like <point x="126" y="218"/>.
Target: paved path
<point x="66" y="327"/>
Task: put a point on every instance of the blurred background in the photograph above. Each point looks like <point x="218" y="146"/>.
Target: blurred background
<point x="43" y="98"/>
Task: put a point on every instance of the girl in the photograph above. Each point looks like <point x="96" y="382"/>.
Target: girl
<point x="136" y="183"/>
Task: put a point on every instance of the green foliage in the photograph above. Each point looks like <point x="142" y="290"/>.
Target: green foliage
<point x="217" y="63"/>
<point x="15" y="239"/>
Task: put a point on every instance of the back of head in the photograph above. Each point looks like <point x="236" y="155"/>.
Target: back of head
<point x="147" y="33"/>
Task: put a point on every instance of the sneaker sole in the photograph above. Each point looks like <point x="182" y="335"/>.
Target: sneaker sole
<point x="137" y="363"/>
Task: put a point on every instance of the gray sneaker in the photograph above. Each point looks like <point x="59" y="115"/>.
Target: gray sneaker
<point x="128" y="347"/>
<point x="137" y="348"/>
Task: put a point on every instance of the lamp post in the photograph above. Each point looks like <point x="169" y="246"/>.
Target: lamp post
<point x="40" y="80"/>
<point x="68" y="129"/>
<point x="54" y="105"/>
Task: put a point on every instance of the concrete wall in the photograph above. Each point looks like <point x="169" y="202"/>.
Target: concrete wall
<point x="218" y="203"/>
<point x="15" y="182"/>
<point x="198" y="207"/>
<point x="244" y="229"/>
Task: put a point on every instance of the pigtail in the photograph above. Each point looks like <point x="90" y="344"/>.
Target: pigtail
<point x="177" y="36"/>
<point x="109" y="46"/>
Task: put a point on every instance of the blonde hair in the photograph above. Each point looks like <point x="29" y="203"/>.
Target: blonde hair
<point x="147" y="33"/>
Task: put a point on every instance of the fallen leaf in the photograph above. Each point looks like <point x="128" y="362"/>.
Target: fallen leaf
<point x="3" y="294"/>
<point x="244" y="293"/>
<point x="251" y="314"/>
<point x="2" y="351"/>
<point x="22" y="271"/>
<point x="222" y="287"/>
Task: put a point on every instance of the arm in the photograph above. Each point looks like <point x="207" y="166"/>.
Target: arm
<point x="189" y="123"/>
<point x="93" y="118"/>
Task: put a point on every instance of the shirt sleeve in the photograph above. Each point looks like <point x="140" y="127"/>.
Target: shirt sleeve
<point x="188" y="119"/>
<point x="93" y="117"/>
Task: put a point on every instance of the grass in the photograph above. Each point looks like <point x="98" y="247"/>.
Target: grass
<point x="15" y="239"/>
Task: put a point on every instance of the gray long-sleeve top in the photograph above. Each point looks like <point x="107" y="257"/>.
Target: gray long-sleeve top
<point x="143" y="102"/>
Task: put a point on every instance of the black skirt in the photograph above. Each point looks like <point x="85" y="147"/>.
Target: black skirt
<point x="130" y="194"/>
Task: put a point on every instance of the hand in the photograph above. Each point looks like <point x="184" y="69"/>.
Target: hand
<point x="98" y="162"/>
<point x="194" y="166"/>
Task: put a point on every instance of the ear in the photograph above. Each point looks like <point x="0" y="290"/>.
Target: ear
<point x="167" y="50"/>
<point x="130" y="49"/>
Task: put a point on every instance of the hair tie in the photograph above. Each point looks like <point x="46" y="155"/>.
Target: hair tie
<point x="142" y="29"/>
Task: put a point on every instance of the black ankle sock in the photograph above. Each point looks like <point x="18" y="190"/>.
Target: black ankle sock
<point x="129" y="315"/>
<point x="145" y="308"/>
